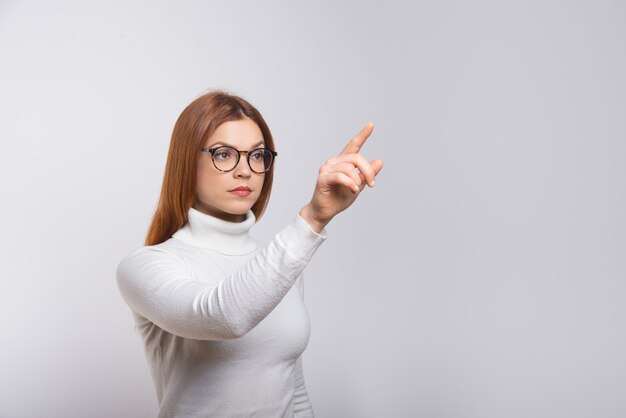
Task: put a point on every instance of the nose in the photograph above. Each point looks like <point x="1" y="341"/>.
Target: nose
<point x="242" y="169"/>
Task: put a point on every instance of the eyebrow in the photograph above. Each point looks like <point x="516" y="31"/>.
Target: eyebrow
<point x="225" y="143"/>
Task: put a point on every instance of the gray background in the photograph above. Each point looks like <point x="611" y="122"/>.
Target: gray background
<point x="482" y="277"/>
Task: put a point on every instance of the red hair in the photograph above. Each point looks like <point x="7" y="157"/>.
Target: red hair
<point x="194" y="126"/>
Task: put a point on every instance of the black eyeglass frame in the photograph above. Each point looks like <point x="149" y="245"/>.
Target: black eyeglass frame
<point x="212" y="151"/>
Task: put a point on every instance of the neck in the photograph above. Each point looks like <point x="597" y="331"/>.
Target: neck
<point x="210" y="233"/>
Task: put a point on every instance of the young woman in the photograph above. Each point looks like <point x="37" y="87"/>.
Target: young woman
<point x="221" y="315"/>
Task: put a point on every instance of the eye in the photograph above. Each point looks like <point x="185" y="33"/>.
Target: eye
<point x="258" y="155"/>
<point x="223" y="154"/>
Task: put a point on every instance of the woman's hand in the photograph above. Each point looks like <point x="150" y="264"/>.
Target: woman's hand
<point x="339" y="184"/>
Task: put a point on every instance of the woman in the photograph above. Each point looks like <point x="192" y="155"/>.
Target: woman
<point x="222" y="316"/>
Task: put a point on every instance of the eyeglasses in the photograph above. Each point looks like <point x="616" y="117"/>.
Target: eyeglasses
<point x="226" y="158"/>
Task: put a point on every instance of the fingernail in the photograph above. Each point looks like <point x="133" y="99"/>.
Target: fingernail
<point x="373" y="183"/>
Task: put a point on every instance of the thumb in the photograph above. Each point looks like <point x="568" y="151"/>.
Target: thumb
<point x="377" y="165"/>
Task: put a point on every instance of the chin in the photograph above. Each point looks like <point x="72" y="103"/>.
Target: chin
<point x="221" y="211"/>
<point x="238" y="210"/>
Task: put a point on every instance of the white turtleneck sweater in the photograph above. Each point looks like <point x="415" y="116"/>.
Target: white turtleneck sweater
<point x="222" y="317"/>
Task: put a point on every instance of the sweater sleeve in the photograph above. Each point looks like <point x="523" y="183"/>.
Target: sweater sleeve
<point x="157" y="285"/>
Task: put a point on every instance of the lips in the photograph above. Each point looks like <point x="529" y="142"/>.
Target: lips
<point x="241" y="188"/>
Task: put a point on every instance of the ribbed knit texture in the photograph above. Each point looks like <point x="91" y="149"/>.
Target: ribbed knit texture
<point x="222" y="317"/>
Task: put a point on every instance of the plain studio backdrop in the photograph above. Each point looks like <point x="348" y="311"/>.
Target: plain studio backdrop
<point x="482" y="277"/>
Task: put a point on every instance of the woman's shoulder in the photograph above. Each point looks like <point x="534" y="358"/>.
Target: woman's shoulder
<point x="164" y="253"/>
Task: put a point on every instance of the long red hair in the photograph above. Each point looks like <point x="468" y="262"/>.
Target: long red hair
<point x="194" y="126"/>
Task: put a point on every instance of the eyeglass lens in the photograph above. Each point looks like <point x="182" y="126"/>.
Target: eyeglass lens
<point x="225" y="158"/>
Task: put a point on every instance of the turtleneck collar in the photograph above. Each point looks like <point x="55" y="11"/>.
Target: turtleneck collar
<point x="215" y="234"/>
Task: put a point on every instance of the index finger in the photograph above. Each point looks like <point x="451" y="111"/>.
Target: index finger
<point x="355" y="144"/>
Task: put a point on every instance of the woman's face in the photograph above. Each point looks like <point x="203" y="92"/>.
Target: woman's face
<point x="213" y="195"/>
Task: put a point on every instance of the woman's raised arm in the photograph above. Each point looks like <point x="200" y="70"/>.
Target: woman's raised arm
<point x="157" y="285"/>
